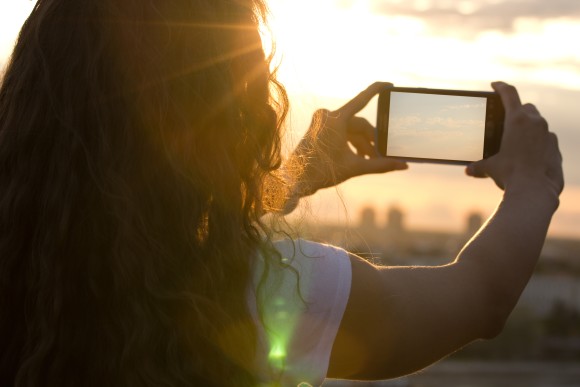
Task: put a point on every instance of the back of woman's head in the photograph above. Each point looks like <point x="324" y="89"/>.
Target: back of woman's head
<point x="134" y="138"/>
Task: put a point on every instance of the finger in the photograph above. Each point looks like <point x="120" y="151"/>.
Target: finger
<point x="556" y="171"/>
<point x="482" y="168"/>
<point x="363" y="146"/>
<point x="360" y="126"/>
<point x="530" y="108"/>
<point x="477" y="169"/>
<point x="509" y="95"/>
<point x="361" y="134"/>
<point x="554" y="139"/>
<point x="380" y="165"/>
<point x="362" y="99"/>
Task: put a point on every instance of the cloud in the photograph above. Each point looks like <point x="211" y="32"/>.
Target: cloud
<point x="406" y="121"/>
<point x="448" y="123"/>
<point x="433" y="126"/>
<point x="559" y="63"/>
<point x="480" y="105"/>
<point x="469" y="18"/>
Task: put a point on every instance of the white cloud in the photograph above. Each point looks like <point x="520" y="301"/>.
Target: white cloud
<point x="452" y="123"/>
<point x="471" y="17"/>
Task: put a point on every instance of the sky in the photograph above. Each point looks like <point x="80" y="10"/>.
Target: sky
<point x="329" y="50"/>
<point x="444" y="127"/>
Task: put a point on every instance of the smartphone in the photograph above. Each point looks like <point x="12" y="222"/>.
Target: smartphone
<point x="439" y="126"/>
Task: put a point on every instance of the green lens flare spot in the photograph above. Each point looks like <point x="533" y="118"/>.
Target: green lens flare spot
<point x="277" y="352"/>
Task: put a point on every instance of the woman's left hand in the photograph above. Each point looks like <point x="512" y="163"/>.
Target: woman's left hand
<point x="337" y="146"/>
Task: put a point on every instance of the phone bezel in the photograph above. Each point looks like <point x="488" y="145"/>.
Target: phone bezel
<point x="494" y="118"/>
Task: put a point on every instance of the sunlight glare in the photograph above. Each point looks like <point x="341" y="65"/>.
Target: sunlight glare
<point x="333" y="50"/>
<point x="11" y="19"/>
<point x="422" y="5"/>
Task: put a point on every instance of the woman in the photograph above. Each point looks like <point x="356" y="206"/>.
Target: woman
<point x="139" y="148"/>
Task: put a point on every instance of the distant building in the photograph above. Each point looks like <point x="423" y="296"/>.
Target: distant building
<point x="545" y="290"/>
<point x="395" y="221"/>
<point x="473" y="224"/>
<point x="368" y="219"/>
<point x="557" y="277"/>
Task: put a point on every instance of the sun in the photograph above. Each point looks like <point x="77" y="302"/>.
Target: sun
<point x="335" y="49"/>
<point x="321" y="46"/>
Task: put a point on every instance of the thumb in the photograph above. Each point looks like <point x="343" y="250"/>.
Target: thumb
<point x="478" y="169"/>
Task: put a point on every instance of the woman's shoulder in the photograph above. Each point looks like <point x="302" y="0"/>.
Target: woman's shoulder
<point x="320" y="271"/>
<point x="303" y="250"/>
<point x="302" y="303"/>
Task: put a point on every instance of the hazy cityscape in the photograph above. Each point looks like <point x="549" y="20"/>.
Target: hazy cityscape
<point x="540" y="345"/>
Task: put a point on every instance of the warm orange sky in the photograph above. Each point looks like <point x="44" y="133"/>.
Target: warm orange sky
<point x="331" y="49"/>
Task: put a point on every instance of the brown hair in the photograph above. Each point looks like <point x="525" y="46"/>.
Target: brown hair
<point x="134" y="141"/>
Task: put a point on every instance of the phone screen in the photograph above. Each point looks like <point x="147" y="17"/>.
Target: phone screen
<point x="434" y="126"/>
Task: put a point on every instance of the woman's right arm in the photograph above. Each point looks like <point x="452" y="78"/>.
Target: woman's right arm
<point x="400" y="319"/>
<point x="337" y="146"/>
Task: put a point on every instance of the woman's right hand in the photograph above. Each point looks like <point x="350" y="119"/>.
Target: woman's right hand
<point x="340" y="145"/>
<point x="529" y="152"/>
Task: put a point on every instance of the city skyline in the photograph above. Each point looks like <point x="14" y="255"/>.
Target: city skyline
<point x="385" y="238"/>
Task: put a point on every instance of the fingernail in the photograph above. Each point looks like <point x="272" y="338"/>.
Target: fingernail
<point x="469" y="170"/>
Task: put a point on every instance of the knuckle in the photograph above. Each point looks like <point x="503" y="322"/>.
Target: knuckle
<point x="530" y="108"/>
<point x="507" y="88"/>
<point x="554" y="140"/>
<point x="319" y="120"/>
<point x="526" y="117"/>
<point x="541" y="122"/>
<point x="321" y="113"/>
<point x="511" y="88"/>
<point x="321" y="116"/>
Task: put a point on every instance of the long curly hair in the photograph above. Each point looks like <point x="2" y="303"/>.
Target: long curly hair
<point x="135" y="138"/>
